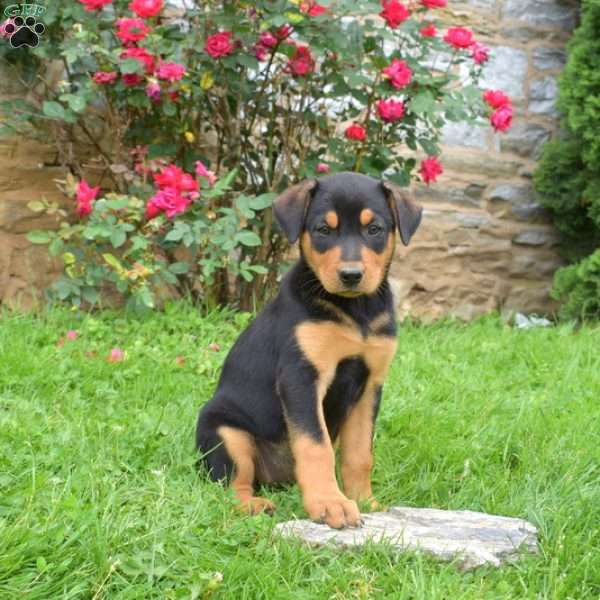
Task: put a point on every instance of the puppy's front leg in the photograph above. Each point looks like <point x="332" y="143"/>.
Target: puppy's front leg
<point x="302" y="397"/>
<point x="356" y="442"/>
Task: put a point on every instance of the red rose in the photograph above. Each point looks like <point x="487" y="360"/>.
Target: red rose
<point x="131" y="30"/>
<point x="480" y="53"/>
<point x="85" y="195"/>
<point x="202" y="171"/>
<point x="103" y="77"/>
<point x="496" y="98"/>
<point x="170" y="71"/>
<point x="146" y="8"/>
<point x="431" y="169"/>
<point x="173" y="177"/>
<point x="267" y="39"/>
<point x="219" y="44"/>
<point x="390" y="110"/>
<point x="153" y="91"/>
<point x="284" y="32"/>
<point x="142" y="55"/>
<point x="322" y="168"/>
<point x="459" y="37"/>
<point x="168" y="200"/>
<point x="312" y="9"/>
<point x="428" y="30"/>
<point x="399" y="73"/>
<point x="94" y="4"/>
<point x="502" y="118"/>
<point x="356" y="132"/>
<point x="434" y="3"/>
<point x="302" y="63"/>
<point x="394" y="13"/>
<point x="152" y="209"/>
<point x="261" y="52"/>
<point x="131" y="79"/>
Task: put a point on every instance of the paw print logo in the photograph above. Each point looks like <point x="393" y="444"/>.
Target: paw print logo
<point x="24" y="32"/>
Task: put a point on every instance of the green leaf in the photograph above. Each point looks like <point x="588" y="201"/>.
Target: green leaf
<point x="65" y="287"/>
<point x="118" y="203"/>
<point x="168" y="277"/>
<point x="423" y="104"/>
<point x="429" y="147"/>
<point x="222" y="185"/>
<point x="176" y="233"/>
<point x="179" y="268"/>
<point x="76" y="103"/>
<point x="39" y="237"/>
<point x="118" y="237"/>
<point x="131" y="65"/>
<point x="263" y="201"/>
<point x="36" y="206"/>
<point x="113" y="261"/>
<point x="56" y="246"/>
<point x="247" y="61"/>
<point x="248" y="238"/>
<point x="258" y="269"/>
<point x="401" y="178"/>
<point x="169" y="109"/>
<point x="146" y="297"/>
<point x="161" y="150"/>
<point x="90" y="295"/>
<point x="53" y="110"/>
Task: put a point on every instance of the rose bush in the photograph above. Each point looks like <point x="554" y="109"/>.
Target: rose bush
<point x="267" y="93"/>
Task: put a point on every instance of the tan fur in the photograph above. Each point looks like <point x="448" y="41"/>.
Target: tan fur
<point x="379" y="322"/>
<point x="332" y="219"/>
<point x="375" y="265"/>
<point x="366" y="216"/>
<point x="356" y="437"/>
<point x="315" y="472"/>
<point x="325" y="345"/>
<point x="325" y="264"/>
<point x="241" y="448"/>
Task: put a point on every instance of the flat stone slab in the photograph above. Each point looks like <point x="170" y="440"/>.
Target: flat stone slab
<point x="472" y="539"/>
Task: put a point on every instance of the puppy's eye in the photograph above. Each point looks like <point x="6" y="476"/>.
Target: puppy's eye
<point x="324" y="229"/>
<point x="374" y="229"/>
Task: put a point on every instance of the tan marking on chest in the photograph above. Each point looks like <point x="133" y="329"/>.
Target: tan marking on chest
<point x="325" y="344"/>
<point x="381" y="321"/>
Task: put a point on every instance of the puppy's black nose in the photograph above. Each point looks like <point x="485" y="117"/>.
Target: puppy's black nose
<point x="350" y="276"/>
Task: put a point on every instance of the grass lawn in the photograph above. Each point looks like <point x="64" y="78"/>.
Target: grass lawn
<point x="99" y="497"/>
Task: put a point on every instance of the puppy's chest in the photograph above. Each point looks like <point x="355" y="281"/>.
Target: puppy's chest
<point x="325" y="344"/>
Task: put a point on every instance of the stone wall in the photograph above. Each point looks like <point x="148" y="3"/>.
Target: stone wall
<point x="485" y="244"/>
<point x="27" y="172"/>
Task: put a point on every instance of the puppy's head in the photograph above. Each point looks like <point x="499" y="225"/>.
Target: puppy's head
<point x="347" y="225"/>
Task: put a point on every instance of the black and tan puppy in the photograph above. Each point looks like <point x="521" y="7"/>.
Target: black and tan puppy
<point x="307" y="374"/>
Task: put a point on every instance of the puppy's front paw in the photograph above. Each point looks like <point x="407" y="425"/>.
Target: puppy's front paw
<point x="335" y="510"/>
<point x="256" y="505"/>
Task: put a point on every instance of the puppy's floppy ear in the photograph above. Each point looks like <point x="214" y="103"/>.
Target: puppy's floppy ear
<point x="407" y="214"/>
<point x="291" y="206"/>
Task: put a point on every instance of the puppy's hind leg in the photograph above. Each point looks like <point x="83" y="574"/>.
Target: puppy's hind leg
<point x="241" y="451"/>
